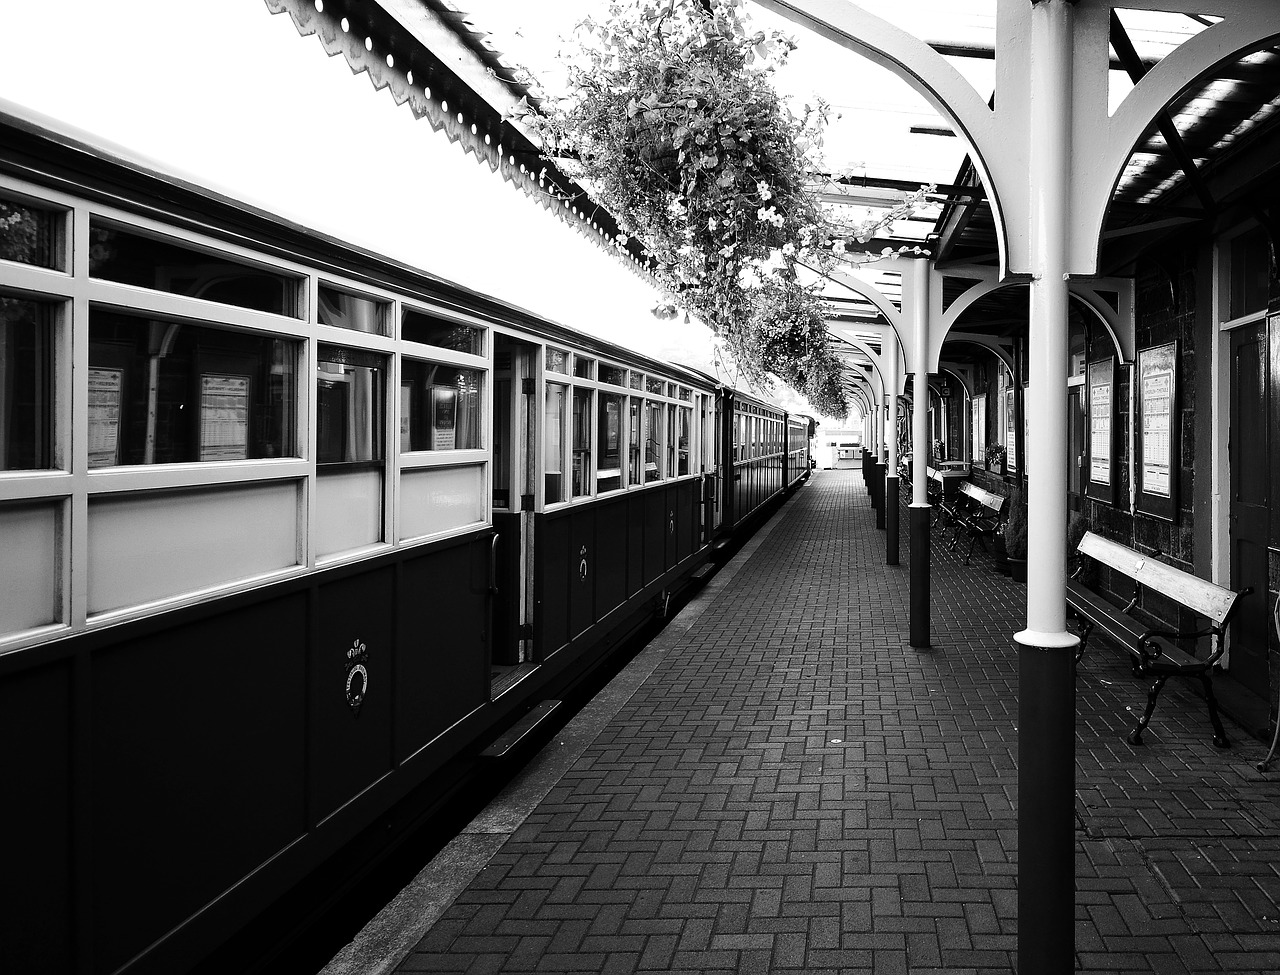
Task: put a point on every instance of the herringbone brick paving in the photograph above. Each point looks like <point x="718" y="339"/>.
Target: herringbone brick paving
<point x="796" y="789"/>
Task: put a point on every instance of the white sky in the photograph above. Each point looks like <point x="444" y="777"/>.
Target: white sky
<point x="233" y="98"/>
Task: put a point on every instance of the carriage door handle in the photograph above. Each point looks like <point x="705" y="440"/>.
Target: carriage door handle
<point x="493" y="564"/>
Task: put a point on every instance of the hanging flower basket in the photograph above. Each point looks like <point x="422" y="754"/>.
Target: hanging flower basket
<point x="678" y="132"/>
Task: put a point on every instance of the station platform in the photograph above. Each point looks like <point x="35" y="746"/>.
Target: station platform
<point x="780" y="783"/>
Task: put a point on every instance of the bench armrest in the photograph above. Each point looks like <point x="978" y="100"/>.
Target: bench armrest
<point x="1145" y="641"/>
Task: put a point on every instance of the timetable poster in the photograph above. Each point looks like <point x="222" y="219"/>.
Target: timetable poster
<point x="224" y="417"/>
<point x="979" y="407"/>
<point x="105" y="389"/>
<point x="406" y="421"/>
<point x="1010" y="432"/>
<point x="1101" y="383"/>
<point x="1156" y="377"/>
<point x="444" y="417"/>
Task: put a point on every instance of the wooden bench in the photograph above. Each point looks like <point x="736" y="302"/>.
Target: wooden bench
<point x="944" y="510"/>
<point x="1154" y="653"/>
<point x="979" y="513"/>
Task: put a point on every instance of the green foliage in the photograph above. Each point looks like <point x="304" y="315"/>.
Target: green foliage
<point x="679" y="133"/>
<point x="1015" y="526"/>
<point x="1077" y="525"/>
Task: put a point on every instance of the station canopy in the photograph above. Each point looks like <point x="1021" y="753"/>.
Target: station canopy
<point x="883" y="140"/>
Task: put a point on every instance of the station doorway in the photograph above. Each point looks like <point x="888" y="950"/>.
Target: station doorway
<point x="1250" y="453"/>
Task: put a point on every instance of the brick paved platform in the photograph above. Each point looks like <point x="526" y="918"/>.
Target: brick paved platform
<point x="792" y="788"/>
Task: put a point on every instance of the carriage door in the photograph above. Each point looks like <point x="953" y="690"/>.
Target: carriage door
<point x="514" y="457"/>
<point x="1250" y="452"/>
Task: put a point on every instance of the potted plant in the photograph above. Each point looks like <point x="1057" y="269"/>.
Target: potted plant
<point x="1077" y="525"/>
<point x="1015" y="536"/>
<point x="995" y="458"/>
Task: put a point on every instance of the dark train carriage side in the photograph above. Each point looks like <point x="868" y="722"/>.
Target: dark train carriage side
<point x="758" y="459"/>
<point x="284" y="528"/>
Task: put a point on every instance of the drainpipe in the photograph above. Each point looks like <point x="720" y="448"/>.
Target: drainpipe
<point x="889" y="349"/>
<point x="1046" y="665"/>
<point x="916" y="282"/>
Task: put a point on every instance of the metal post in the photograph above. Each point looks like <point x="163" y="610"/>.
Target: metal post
<point x="1046" y="685"/>
<point x="916" y="282"/>
<point x="890" y="349"/>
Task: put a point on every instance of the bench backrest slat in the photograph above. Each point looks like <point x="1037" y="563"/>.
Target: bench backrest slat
<point x="1209" y="600"/>
<point x="982" y="496"/>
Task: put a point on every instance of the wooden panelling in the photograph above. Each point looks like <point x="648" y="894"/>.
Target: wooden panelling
<point x="198" y="766"/>
<point x="35" y="815"/>
<point x="349" y="746"/>
<point x="442" y="646"/>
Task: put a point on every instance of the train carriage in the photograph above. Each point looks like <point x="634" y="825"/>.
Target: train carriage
<point x="287" y="527"/>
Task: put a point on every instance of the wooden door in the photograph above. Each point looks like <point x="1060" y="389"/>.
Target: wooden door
<point x="1250" y="511"/>
<point x="1075" y="447"/>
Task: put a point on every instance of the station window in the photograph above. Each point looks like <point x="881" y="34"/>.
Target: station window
<point x="553" y="445"/>
<point x="26" y="404"/>
<point x="653" y="441"/>
<point x="439" y="407"/>
<point x="581" y="442"/>
<point x="342" y="309"/>
<point x="166" y="392"/>
<point x="609" y="442"/>
<point x="349" y="410"/>
<point x="636" y="418"/>
<point x="31" y="235"/>
<point x="583" y="368"/>
<point x="558" y="361"/>
<point x="613" y="375"/>
<point x="443" y="334"/>
<point x="147" y="262"/>
<point x="1250" y="273"/>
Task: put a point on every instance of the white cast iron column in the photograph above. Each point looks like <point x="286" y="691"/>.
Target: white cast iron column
<point x="1046" y="665"/>
<point x="889" y="349"/>
<point x="915" y="284"/>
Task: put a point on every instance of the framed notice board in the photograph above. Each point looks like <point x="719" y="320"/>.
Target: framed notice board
<point x="1157" y="435"/>
<point x="1100" y="443"/>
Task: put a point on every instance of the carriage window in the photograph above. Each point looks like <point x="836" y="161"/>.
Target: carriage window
<point x="685" y="393"/>
<point x="129" y="258"/>
<point x="558" y="361"/>
<point x="613" y="375"/>
<point x="584" y="368"/>
<point x="31" y="235"/>
<point x="553" y="445"/>
<point x="633" y="440"/>
<point x="417" y="327"/>
<point x="671" y="440"/>
<point x="682" y="444"/>
<point x="163" y="392"/>
<point x="609" y="443"/>
<point x="342" y="309"/>
<point x="581" y="442"/>
<point x="637" y="380"/>
<point x="439" y="407"/>
<point x="653" y="441"/>
<point x="26" y="405"/>
<point x="656" y="386"/>
<point x="349" y="405"/>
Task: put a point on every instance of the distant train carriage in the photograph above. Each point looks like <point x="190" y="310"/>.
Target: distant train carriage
<point x="286" y="526"/>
